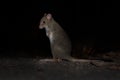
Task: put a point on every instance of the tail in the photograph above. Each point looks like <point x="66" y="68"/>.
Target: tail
<point x="72" y="59"/>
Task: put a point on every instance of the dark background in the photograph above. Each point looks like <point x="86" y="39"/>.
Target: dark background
<point x="88" y="22"/>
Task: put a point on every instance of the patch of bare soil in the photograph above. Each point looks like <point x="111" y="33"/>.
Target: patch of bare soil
<point x="48" y="69"/>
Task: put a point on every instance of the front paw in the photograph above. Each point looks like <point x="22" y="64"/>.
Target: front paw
<point x="47" y="34"/>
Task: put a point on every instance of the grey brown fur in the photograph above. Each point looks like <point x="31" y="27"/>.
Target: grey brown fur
<point x="59" y="40"/>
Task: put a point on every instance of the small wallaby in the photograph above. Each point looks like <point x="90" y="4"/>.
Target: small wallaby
<point x="59" y="41"/>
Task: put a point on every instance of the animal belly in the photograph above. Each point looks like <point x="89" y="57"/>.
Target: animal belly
<point x="51" y="38"/>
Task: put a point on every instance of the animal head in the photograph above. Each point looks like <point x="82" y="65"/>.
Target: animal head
<point x="45" y="21"/>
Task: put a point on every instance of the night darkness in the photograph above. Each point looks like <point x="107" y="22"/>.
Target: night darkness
<point x="86" y="22"/>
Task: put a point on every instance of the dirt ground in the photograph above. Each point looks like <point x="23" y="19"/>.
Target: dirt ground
<point x="46" y="69"/>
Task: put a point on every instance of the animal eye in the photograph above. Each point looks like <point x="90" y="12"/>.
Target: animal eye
<point x="43" y="21"/>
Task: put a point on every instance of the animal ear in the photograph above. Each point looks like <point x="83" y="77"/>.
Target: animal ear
<point x="49" y="16"/>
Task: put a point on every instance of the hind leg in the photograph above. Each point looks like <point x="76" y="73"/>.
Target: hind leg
<point x="57" y="53"/>
<point x="56" y="58"/>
